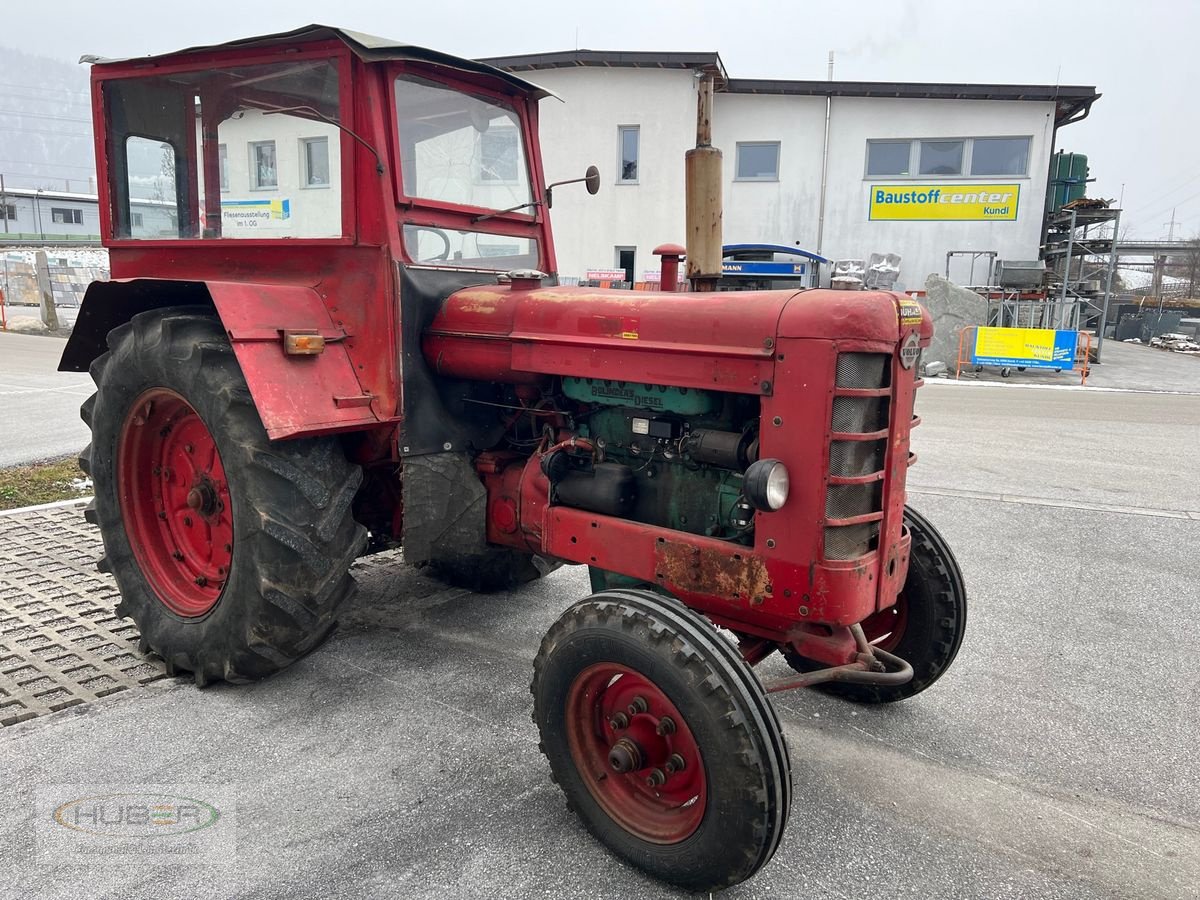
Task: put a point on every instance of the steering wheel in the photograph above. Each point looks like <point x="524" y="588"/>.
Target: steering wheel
<point x="445" y="254"/>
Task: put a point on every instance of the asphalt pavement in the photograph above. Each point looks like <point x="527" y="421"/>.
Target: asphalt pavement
<point x="1054" y="760"/>
<point x="39" y="406"/>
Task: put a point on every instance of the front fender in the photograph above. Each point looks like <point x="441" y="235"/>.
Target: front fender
<point x="294" y="395"/>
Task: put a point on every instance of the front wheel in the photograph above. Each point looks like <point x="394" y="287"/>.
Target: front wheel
<point x="231" y="551"/>
<point x="662" y="739"/>
<point x="924" y="627"/>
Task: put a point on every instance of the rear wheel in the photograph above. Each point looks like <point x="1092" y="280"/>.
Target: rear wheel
<point x="662" y="739"/>
<point x="925" y="626"/>
<point x="231" y="551"/>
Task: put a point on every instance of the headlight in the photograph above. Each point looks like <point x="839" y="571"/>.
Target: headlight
<point x="766" y="485"/>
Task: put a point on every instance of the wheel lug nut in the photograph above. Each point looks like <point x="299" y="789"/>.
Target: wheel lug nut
<point x="666" y="725"/>
<point x="187" y="520"/>
<point x="655" y="778"/>
<point x="637" y="706"/>
<point x="201" y="581"/>
<point x="177" y="556"/>
<point x="619" y="721"/>
<point x="188" y="448"/>
<point x="676" y="763"/>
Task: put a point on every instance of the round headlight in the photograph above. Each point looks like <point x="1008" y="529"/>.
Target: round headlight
<point x="766" y="485"/>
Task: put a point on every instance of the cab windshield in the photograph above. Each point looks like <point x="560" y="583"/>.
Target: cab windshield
<point x="459" y="148"/>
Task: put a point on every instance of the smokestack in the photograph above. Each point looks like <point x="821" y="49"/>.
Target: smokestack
<point x="702" y="168"/>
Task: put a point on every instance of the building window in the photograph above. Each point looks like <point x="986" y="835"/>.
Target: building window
<point x="315" y="154"/>
<point x="8" y="211"/>
<point x="889" y="157"/>
<point x="136" y="219"/>
<point x="61" y="216"/>
<point x="263" y="171"/>
<point x="941" y="158"/>
<point x="758" y="161"/>
<point x="223" y="162"/>
<point x="499" y="155"/>
<point x="629" y="137"/>
<point x="1000" y="156"/>
<point x="988" y="156"/>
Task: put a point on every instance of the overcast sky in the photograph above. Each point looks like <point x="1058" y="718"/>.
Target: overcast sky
<point x="1143" y="57"/>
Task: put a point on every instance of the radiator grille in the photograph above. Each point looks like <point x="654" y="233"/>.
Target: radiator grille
<point x="863" y="370"/>
<point x="860" y="414"/>
<point x="849" y="459"/>
<point x="846" y="500"/>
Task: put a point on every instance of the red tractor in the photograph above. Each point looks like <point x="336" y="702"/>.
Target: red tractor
<point x="329" y="332"/>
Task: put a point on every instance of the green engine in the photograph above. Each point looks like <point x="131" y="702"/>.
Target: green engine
<point x="685" y="449"/>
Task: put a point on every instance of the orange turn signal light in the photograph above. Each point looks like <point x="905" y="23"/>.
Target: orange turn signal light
<point x="303" y="343"/>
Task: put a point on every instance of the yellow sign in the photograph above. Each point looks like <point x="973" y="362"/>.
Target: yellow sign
<point x="1039" y="348"/>
<point x="944" y="202"/>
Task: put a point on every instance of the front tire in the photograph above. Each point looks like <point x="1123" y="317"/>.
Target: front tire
<point x="231" y="551"/>
<point x="925" y="627"/>
<point x="662" y="739"/>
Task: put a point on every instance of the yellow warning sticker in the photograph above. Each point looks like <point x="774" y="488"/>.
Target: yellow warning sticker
<point x="629" y="335"/>
<point x="910" y="312"/>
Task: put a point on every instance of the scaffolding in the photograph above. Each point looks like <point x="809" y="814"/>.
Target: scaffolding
<point x="1080" y="252"/>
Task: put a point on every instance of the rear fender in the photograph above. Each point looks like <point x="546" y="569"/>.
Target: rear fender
<point x="294" y="395"/>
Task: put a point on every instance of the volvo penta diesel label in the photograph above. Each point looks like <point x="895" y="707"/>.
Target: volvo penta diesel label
<point x="944" y="202"/>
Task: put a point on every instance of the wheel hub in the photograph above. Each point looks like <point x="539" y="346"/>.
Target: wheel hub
<point x="644" y="763"/>
<point x="175" y="502"/>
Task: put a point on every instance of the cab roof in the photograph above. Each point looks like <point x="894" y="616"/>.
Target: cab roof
<point x="368" y="47"/>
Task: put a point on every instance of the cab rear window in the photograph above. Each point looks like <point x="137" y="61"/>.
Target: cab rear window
<point x="238" y="152"/>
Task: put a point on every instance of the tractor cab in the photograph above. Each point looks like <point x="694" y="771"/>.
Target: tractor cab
<point x="323" y="135"/>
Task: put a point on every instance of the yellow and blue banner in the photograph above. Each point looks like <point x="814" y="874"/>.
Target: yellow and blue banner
<point x="1033" y="348"/>
<point x="944" y="202"/>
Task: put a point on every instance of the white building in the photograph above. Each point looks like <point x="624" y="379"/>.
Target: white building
<point x="843" y="169"/>
<point x="43" y="216"/>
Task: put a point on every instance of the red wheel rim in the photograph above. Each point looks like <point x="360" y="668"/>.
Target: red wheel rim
<point x="885" y="628"/>
<point x="662" y="795"/>
<point x="175" y="502"/>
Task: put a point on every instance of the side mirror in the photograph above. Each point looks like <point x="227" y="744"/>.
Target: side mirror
<point x="591" y="179"/>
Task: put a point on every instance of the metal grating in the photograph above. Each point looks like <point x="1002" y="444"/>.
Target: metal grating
<point x="60" y="644"/>
<point x="863" y="370"/>
<point x="860" y="414"/>
<point x="849" y="541"/>
<point x="850" y="458"/>
<point x="843" y="501"/>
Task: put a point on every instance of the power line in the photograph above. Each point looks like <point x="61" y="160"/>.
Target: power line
<point x="25" y="115"/>
<point x="30" y="162"/>
<point x="75" y="134"/>
<point x="58" y="101"/>
<point x="37" y="87"/>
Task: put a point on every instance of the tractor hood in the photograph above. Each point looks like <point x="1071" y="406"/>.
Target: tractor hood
<point x="720" y="340"/>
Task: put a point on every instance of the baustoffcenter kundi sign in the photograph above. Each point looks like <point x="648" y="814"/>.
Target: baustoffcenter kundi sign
<point x="944" y="202"/>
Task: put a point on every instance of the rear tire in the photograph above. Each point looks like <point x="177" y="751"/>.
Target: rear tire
<point x="249" y="578"/>
<point x="925" y="627"/>
<point x="608" y="673"/>
<point x="495" y="569"/>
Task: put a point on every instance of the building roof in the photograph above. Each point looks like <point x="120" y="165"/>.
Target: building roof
<point x="1069" y="99"/>
<point x="367" y="46"/>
